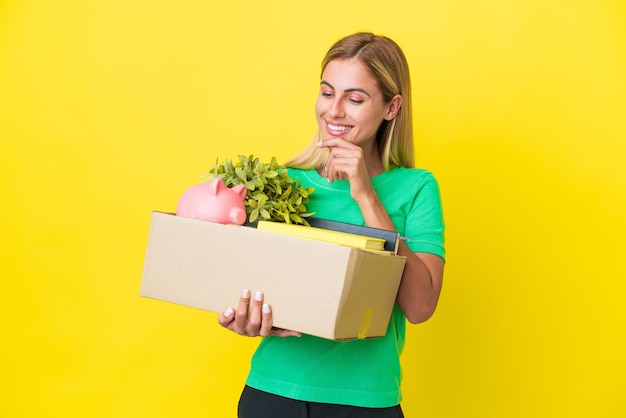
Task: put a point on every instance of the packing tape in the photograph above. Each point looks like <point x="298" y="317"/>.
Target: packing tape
<point x="366" y="322"/>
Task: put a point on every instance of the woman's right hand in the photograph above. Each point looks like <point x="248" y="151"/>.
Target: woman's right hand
<point x="252" y="320"/>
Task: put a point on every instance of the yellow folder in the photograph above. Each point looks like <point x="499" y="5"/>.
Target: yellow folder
<point x="320" y="234"/>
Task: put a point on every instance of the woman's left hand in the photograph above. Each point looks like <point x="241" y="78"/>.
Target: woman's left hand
<point x="345" y="161"/>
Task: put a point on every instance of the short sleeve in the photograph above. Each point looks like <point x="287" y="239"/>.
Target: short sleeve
<point x="424" y="224"/>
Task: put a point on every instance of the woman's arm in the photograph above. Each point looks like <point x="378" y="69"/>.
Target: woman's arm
<point x="423" y="273"/>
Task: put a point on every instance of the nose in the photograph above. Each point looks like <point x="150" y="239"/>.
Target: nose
<point x="337" y="109"/>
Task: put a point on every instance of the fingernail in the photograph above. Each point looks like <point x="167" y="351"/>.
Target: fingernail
<point x="266" y="308"/>
<point x="258" y="296"/>
<point x="319" y="143"/>
<point x="245" y="293"/>
<point x="229" y="312"/>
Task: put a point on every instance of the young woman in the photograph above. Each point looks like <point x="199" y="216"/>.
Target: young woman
<point x="360" y="165"/>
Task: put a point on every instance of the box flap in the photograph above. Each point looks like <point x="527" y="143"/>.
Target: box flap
<point x="369" y="293"/>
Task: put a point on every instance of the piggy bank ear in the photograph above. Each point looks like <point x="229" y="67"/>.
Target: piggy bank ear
<point x="215" y="186"/>
<point x="241" y="190"/>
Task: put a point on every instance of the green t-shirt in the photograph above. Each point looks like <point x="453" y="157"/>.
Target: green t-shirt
<point x="362" y="372"/>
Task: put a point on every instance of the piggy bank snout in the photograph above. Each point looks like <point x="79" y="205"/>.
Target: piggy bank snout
<point x="238" y="216"/>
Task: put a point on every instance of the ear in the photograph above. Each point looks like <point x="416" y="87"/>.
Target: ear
<point x="216" y="186"/>
<point x="394" y="107"/>
<point x="241" y="190"/>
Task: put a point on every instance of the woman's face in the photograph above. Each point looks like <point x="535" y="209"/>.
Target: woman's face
<point x="350" y="104"/>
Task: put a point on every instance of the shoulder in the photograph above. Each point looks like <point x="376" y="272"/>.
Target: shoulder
<point x="413" y="177"/>
<point x="309" y="178"/>
<point x="302" y="175"/>
<point x="414" y="186"/>
<point x="295" y="171"/>
<point x="292" y="171"/>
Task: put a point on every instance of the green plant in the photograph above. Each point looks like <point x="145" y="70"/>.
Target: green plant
<point x="271" y="193"/>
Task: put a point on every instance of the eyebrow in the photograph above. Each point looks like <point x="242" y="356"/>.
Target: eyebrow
<point x="356" y="89"/>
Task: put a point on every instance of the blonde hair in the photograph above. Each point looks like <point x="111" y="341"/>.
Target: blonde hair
<point x="387" y="64"/>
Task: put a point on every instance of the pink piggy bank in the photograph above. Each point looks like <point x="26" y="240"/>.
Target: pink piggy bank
<point x="214" y="202"/>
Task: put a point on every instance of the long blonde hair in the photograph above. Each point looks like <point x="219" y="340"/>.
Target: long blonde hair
<point x="387" y="64"/>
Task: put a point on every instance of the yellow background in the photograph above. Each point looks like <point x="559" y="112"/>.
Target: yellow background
<point x="109" y="109"/>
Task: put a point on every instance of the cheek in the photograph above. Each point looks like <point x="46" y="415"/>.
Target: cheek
<point x="319" y="107"/>
<point x="368" y="117"/>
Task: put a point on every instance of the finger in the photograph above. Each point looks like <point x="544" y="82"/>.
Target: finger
<point x="324" y="143"/>
<point x="280" y="332"/>
<point x="254" y="322"/>
<point x="328" y="167"/>
<point x="241" y="317"/>
<point x="332" y="173"/>
<point x="342" y="163"/>
<point x="226" y="317"/>
<point x="266" y="324"/>
<point x="334" y="170"/>
<point x="346" y="158"/>
<point x="343" y="170"/>
<point x="335" y="142"/>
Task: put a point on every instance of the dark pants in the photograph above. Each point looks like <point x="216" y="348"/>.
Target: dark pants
<point x="257" y="404"/>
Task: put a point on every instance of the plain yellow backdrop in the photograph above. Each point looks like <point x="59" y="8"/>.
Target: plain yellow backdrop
<point x="110" y="109"/>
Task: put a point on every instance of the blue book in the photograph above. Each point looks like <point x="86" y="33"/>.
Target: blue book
<point x="391" y="237"/>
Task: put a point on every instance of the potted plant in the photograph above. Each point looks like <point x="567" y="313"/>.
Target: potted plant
<point x="271" y="193"/>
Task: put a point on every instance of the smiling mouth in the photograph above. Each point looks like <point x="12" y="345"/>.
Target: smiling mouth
<point x="337" y="129"/>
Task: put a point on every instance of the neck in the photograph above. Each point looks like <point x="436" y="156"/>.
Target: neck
<point x="374" y="162"/>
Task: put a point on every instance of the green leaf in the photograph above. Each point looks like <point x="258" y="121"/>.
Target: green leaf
<point x="254" y="215"/>
<point x="241" y="174"/>
<point x="295" y="218"/>
<point x="286" y="193"/>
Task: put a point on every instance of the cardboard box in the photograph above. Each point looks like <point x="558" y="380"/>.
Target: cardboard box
<point x="314" y="287"/>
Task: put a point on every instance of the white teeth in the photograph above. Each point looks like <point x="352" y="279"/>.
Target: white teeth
<point x="338" y="128"/>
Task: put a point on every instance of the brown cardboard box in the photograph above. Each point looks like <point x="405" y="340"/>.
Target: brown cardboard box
<point x="314" y="287"/>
